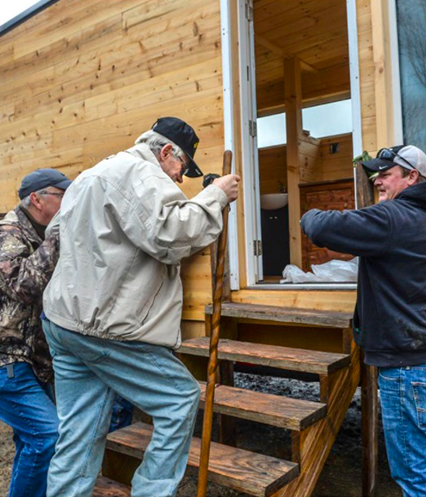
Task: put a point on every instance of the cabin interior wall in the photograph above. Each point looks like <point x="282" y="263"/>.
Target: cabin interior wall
<point x="332" y="162"/>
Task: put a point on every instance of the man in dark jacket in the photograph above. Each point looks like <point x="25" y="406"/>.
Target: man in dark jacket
<point x="390" y="316"/>
<point x="27" y="261"/>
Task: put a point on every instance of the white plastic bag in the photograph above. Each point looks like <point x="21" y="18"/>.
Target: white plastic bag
<point x="331" y="271"/>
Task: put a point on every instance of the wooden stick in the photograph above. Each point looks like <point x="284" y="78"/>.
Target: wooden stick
<point x="214" y="341"/>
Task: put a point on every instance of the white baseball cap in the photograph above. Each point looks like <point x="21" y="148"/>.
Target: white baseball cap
<point x="409" y="157"/>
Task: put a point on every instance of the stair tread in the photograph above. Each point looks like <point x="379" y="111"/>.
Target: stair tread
<point x="308" y="361"/>
<point x="275" y="410"/>
<point x="239" y="469"/>
<point x="109" y="488"/>
<point x="330" y="319"/>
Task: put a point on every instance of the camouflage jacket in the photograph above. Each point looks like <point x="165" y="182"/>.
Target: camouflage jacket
<point x="26" y="265"/>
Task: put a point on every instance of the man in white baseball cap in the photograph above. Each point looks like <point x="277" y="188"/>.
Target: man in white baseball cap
<point x="390" y="316"/>
<point x="395" y="168"/>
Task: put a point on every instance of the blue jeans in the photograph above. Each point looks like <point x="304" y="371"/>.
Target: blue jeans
<point x="403" y="401"/>
<point x="122" y="413"/>
<point x="26" y="406"/>
<point x="89" y="372"/>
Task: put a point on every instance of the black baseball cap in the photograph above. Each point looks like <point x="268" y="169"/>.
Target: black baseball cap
<point x="42" y="178"/>
<point x="184" y="137"/>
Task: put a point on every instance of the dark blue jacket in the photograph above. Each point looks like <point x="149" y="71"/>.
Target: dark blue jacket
<point x="390" y="238"/>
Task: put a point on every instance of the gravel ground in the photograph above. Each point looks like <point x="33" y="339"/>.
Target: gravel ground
<point x="341" y="476"/>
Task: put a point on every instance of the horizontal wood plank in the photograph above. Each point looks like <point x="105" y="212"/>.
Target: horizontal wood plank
<point x="239" y="469"/>
<point x="110" y="488"/>
<point x="309" y="317"/>
<point x="308" y="361"/>
<point x="275" y="410"/>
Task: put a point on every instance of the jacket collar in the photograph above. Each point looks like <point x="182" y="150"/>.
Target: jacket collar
<point x="19" y="219"/>
<point x="416" y="193"/>
<point x="142" y="151"/>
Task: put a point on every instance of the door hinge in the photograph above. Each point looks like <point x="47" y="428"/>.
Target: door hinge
<point x="257" y="248"/>
<point x="249" y="11"/>
<point x="252" y="128"/>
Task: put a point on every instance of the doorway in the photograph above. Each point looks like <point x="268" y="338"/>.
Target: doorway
<point x="296" y="60"/>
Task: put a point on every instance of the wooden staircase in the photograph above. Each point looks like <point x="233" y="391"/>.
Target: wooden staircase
<point x="314" y="425"/>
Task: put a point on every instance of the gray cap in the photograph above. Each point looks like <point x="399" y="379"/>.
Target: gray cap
<point x="42" y="178"/>
<point x="408" y="157"/>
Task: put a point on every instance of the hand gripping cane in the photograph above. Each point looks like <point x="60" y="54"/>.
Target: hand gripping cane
<point x="214" y="341"/>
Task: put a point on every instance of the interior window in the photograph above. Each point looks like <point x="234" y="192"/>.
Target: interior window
<point x="321" y="120"/>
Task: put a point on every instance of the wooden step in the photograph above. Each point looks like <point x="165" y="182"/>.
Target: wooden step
<point x="110" y="488"/>
<point x="308" y="361"/>
<point x="290" y="315"/>
<point x="275" y="410"/>
<point x="239" y="469"/>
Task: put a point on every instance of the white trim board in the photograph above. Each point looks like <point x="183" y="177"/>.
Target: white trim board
<point x="228" y="122"/>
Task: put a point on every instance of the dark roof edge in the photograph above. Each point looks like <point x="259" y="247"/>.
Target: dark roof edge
<point x="25" y="15"/>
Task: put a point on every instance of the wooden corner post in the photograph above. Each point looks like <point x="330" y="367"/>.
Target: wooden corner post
<point x="369" y="393"/>
<point x="293" y="113"/>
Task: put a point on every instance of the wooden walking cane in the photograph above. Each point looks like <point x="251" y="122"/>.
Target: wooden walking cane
<point x="214" y="340"/>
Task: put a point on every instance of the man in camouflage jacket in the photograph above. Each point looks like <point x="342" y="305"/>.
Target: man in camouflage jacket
<point x="27" y="261"/>
<point x="26" y="265"/>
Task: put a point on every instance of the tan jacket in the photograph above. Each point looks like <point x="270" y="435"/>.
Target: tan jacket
<point x="124" y="228"/>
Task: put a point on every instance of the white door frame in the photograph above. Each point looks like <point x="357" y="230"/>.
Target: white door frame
<point x="251" y="183"/>
<point x="396" y="75"/>
<point x="228" y="118"/>
<point x="251" y="189"/>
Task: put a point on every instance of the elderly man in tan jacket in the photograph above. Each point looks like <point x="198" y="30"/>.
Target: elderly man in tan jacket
<point x="113" y="307"/>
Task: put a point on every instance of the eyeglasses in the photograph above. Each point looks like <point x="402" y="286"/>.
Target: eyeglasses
<point x="52" y="193"/>
<point x="389" y="154"/>
<point x="185" y="166"/>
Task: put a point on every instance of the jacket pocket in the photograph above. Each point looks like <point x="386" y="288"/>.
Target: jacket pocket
<point x="150" y="302"/>
<point x="419" y="392"/>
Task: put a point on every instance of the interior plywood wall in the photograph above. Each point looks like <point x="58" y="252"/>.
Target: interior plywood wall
<point x="83" y="78"/>
<point x="318" y="163"/>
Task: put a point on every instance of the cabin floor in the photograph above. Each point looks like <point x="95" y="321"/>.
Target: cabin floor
<point x="341" y="476"/>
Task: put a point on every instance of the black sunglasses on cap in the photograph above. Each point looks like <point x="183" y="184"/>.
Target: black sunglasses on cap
<point x="389" y="154"/>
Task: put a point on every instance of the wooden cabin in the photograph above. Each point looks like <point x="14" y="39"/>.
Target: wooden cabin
<point x="81" y="79"/>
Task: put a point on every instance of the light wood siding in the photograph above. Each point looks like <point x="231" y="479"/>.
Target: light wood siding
<point x="80" y="80"/>
<point x="83" y="78"/>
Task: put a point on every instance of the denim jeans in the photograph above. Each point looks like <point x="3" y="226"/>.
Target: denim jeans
<point x="122" y="413"/>
<point x="89" y="372"/>
<point x="26" y="406"/>
<point x="403" y="401"/>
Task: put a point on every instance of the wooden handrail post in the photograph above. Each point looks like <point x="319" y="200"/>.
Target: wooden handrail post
<point x="214" y="341"/>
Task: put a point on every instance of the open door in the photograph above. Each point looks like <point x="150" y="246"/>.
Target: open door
<point x="251" y="184"/>
<point x="296" y="59"/>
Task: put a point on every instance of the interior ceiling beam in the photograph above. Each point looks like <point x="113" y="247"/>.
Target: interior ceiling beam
<point x="272" y="47"/>
<point x="329" y="85"/>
